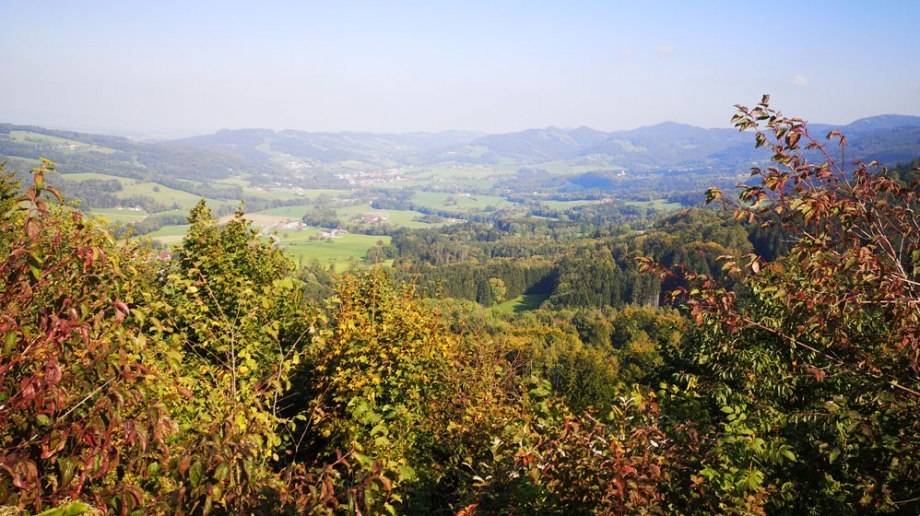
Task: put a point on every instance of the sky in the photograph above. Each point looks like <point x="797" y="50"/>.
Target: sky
<point x="180" y="67"/>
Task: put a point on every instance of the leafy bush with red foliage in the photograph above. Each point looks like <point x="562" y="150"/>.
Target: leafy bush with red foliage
<point x="85" y="398"/>
<point x="800" y="387"/>
<point x="607" y="467"/>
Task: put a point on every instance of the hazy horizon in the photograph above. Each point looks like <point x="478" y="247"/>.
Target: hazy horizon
<point x="169" y="69"/>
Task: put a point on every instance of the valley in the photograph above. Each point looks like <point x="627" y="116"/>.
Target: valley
<point x="371" y="186"/>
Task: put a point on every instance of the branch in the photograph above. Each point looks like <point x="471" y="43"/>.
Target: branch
<point x="837" y="361"/>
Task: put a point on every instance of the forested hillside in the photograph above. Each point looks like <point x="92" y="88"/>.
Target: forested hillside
<point x="757" y="355"/>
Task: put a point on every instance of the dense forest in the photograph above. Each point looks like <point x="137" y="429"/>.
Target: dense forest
<point x="757" y="355"/>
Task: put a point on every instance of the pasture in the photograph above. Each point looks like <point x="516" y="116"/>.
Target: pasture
<point x="119" y="214"/>
<point x="63" y="144"/>
<point x="459" y="201"/>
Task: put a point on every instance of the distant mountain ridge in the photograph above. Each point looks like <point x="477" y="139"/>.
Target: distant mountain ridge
<point x="661" y="146"/>
<point x="85" y="152"/>
<point x="261" y="144"/>
<point x="666" y="146"/>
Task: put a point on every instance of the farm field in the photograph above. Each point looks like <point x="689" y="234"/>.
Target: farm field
<point x="84" y="176"/>
<point x="169" y="235"/>
<point x="463" y="202"/>
<point x="342" y="250"/>
<point x="339" y="251"/>
<point x="119" y="215"/>
<point x="165" y="195"/>
<point x="73" y="145"/>
<point x="295" y="212"/>
<point x="397" y="218"/>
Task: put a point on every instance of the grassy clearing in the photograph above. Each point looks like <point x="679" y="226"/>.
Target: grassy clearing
<point x="165" y="195"/>
<point x="170" y="231"/>
<point x="459" y="201"/>
<point x="218" y="190"/>
<point x="293" y="212"/>
<point x="184" y="213"/>
<point x="339" y="252"/>
<point x="119" y="215"/>
<point x="84" y="176"/>
<point x="524" y="303"/>
<point x="396" y="218"/>
<point x="406" y="218"/>
<point x="169" y="235"/>
<point x="61" y="143"/>
<point x="350" y="213"/>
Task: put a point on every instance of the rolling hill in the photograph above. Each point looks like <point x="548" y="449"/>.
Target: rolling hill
<point x="275" y="155"/>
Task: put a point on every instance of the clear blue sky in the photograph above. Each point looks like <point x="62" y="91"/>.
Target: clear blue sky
<point x="185" y="67"/>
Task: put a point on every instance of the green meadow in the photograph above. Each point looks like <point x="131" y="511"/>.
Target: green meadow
<point x="119" y="215"/>
<point x="169" y="234"/>
<point x="83" y="176"/>
<point x="459" y="201"/>
<point x="72" y="145"/>
<point x="520" y="304"/>
<point x="294" y="212"/>
<point x="165" y="195"/>
<point x="396" y="218"/>
<point x="338" y="251"/>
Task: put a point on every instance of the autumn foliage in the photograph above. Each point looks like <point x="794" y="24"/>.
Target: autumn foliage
<point x="218" y="380"/>
<point x="809" y="362"/>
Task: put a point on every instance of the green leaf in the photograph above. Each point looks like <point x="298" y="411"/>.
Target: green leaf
<point x="71" y="509"/>
<point x="67" y="467"/>
<point x="406" y="472"/>
<point x="222" y="471"/>
<point x="194" y="474"/>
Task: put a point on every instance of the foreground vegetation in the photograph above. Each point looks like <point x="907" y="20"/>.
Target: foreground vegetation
<point x="781" y="376"/>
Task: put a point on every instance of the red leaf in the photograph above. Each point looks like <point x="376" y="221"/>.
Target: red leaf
<point x="121" y="311"/>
